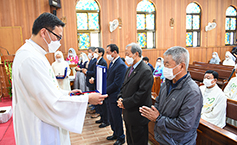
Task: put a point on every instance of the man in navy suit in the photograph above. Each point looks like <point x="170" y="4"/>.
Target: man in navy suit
<point x="115" y="78"/>
<point x="102" y="109"/>
<point x="90" y="71"/>
<point x="146" y="60"/>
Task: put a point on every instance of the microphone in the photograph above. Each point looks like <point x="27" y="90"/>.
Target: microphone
<point x="5" y="49"/>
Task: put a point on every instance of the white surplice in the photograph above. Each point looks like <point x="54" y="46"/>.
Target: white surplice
<point x="231" y="93"/>
<point x="42" y="112"/>
<point x="59" y="69"/>
<point x="214" y="105"/>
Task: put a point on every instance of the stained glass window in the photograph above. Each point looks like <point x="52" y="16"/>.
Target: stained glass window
<point x="88" y="23"/>
<point x="146" y="24"/>
<point x="193" y="22"/>
<point x="230" y="26"/>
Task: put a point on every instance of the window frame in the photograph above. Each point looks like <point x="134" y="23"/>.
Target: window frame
<point x="148" y="30"/>
<point x="229" y="31"/>
<point x="88" y="28"/>
<point x="194" y="30"/>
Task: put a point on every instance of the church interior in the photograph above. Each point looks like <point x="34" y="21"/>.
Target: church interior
<point x="201" y="26"/>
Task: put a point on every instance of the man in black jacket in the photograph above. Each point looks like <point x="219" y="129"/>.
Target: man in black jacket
<point x="135" y="92"/>
<point x="101" y="109"/>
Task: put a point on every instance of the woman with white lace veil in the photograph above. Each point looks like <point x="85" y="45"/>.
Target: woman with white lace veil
<point x="80" y="78"/>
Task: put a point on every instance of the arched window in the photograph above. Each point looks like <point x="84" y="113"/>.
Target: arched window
<point x="146" y="24"/>
<point x="88" y="23"/>
<point x="193" y="25"/>
<point x="230" y="26"/>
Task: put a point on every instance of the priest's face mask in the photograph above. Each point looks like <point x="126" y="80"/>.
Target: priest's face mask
<point x="209" y="80"/>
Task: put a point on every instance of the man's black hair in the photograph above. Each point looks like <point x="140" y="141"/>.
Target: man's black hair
<point x="214" y="73"/>
<point x="100" y="49"/>
<point x="145" y="58"/>
<point x="46" y="20"/>
<point x="113" y="47"/>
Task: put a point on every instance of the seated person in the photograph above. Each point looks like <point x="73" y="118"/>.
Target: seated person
<point x="146" y="60"/>
<point x="72" y="57"/>
<point x="80" y="78"/>
<point x="231" y="93"/>
<point x="159" y="68"/>
<point x="229" y="59"/>
<point x="60" y="67"/>
<point x="214" y="100"/>
<point x="215" y="58"/>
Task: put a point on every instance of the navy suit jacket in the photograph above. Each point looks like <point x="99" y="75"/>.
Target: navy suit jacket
<point x="101" y="62"/>
<point x="115" y="78"/>
<point x="90" y="72"/>
<point x="152" y="68"/>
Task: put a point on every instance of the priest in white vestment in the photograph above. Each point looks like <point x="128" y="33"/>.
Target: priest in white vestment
<point x="231" y="93"/>
<point x="62" y="71"/>
<point x="214" y="100"/>
<point x="43" y="114"/>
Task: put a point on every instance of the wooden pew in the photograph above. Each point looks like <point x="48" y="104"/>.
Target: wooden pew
<point x="223" y="71"/>
<point x="208" y="133"/>
<point x="156" y="86"/>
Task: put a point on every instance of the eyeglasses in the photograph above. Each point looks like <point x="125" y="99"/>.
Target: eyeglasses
<point x="59" y="37"/>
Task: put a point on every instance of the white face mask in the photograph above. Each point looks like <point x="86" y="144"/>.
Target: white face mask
<point x="89" y="55"/>
<point x="227" y="58"/>
<point x="158" y="63"/>
<point x="53" y="45"/>
<point x="96" y="55"/>
<point x="59" y="60"/>
<point x="168" y="73"/>
<point x="214" y="56"/>
<point x="109" y="57"/>
<point x="70" y="54"/>
<point x="129" y="60"/>
<point x="207" y="82"/>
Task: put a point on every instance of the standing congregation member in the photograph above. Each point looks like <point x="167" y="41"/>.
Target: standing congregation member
<point x="146" y="60"/>
<point x="115" y="78"/>
<point x="60" y="67"/>
<point x="80" y="78"/>
<point x="158" y="72"/>
<point x="102" y="109"/>
<point x="135" y="92"/>
<point x="214" y="100"/>
<point x="72" y="57"/>
<point x="177" y="110"/>
<point x="43" y="114"/>
<point x="90" y="72"/>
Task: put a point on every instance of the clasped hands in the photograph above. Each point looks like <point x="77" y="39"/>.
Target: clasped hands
<point x="150" y="113"/>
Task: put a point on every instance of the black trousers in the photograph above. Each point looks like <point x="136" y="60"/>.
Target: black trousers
<point x="137" y="135"/>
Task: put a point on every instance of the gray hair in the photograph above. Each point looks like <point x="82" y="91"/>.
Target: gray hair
<point x="135" y="48"/>
<point x="179" y="55"/>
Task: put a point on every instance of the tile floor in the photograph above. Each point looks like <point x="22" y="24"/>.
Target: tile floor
<point x="92" y="134"/>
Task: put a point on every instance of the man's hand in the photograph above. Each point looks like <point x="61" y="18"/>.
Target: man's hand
<point x="91" y="80"/>
<point x="120" y="103"/>
<point x="75" y="91"/>
<point x="77" y="68"/>
<point x="84" y="70"/>
<point x="150" y="113"/>
<point x="96" y="98"/>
